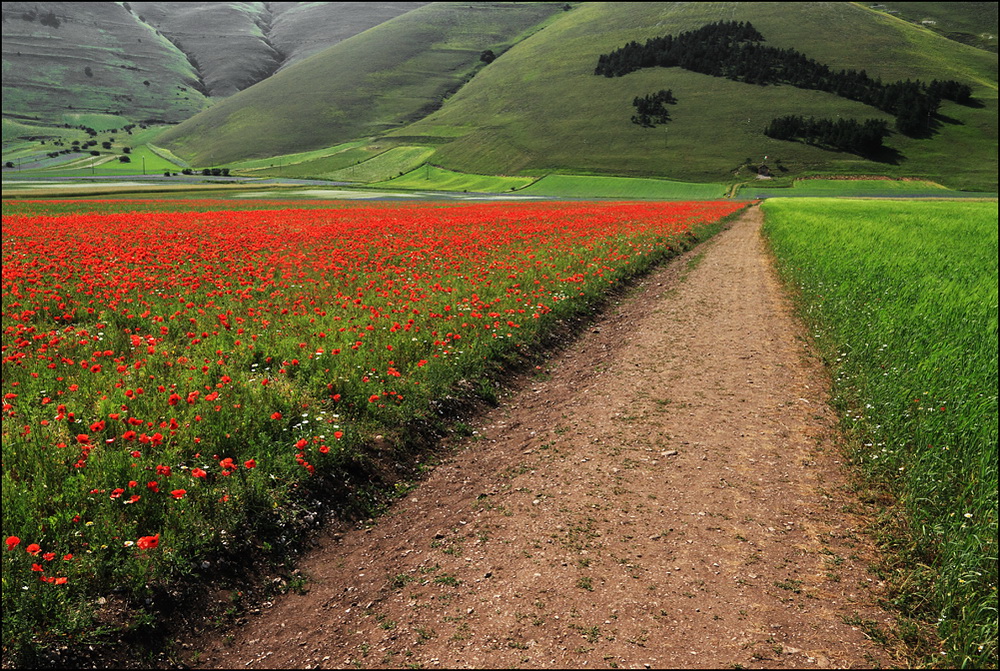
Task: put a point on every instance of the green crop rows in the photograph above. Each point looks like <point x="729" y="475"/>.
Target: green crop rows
<point x="902" y="299"/>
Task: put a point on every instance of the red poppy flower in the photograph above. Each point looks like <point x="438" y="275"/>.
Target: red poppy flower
<point x="12" y="542"/>
<point x="148" y="542"/>
<point x="178" y="493"/>
<point x="33" y="549"/>
<point x="198" y="473"/>
<point x="250" y="463"/>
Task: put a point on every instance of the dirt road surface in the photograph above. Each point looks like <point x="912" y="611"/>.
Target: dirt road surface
<point x="666" y="493"/>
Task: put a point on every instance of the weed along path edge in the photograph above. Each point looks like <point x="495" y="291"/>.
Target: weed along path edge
<point x="666" y="493"/>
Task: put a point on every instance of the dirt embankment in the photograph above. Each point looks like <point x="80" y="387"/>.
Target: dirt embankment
<point x="664" y="494"/>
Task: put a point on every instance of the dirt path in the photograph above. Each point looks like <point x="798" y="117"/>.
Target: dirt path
<point x="664" y="495"/>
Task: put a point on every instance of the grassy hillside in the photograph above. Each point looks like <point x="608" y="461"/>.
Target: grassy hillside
<point x="972" y="23"/>
<point x="869" y="188"/>
<point x="298" y="30"/>
<point x="434" y="178"/>
<point x="159" y="60"/>
<point x="366" y="85"/>
<point x="237" y="44"/>
<point x="416" y="84"/>
<point x="539" y="108"/>
<point x="573" y="186"/>
<point x="64" y="59"/>
<point x="224" y="41"/>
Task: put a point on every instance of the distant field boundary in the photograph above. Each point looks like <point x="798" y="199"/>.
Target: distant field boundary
<point x="168" y="156"/>
<point x="430" y="178"/>
<point x="854" y="187"/>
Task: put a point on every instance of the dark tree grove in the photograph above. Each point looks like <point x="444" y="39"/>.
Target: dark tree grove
<point x="864" y="139"/>
<point x="651" y="109"/>
<point x="733" y="49"/>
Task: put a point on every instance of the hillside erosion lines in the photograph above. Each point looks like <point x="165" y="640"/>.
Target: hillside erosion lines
<point x="665" y="492"/>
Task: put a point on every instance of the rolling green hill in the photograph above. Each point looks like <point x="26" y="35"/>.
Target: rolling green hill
<point x="61" y="60"/>
<point x="538" y="109"/>
<point x="144" y="61"/>
<point x="416" y="84"/>
<point x="237" y="44"/>
<point x="972" y="23"/>
<point x="366" y="85"/>
<point x="563" y="118"/>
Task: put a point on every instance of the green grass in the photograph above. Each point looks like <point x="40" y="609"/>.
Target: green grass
<point x="32" y="154"/>
<point x="387" y="165"/>
<point x="853" y="187"/>
<point x="14" y="130"/>
<point x="282" y="161"/>
<point x="902" y="299"/>
<point x="972" y="23"/>
<point x="540" y="109"/>
<point x="46" y="69"/>
<point x="366" y="85"/>
<point x="108" y="163"/>
<point x="99" y="122"/>
<point x="196" y="204"/>
<point x="164" y="154"/>
<point x="433" y="178"/>
<point x="351" y="162"/>
<point x="581" y="186"/>
<point x="352" y="154"/>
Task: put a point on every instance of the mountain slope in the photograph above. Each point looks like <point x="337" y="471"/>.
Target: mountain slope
<point x="417" y="82"/>
<point x="540" y="108"/>
<point x="160" y="61"/>
<point x="237" y="44"/>
<point x="366" y="85"/>
<point x="972" y="23"/>
<point x="300" y="29"/>
<point x="61" y="59"/>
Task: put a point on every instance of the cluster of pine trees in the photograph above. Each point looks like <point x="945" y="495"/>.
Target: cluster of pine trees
<point x="864" y="139"/>
<point x="651" y="109"/>
<point x="732" y="49"/>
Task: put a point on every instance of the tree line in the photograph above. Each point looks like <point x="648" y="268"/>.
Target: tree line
<point x="864" y="139"/>
<point x="733" y="49"/>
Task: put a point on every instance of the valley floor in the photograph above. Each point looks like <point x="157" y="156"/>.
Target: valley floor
<point x="666" y="493"/>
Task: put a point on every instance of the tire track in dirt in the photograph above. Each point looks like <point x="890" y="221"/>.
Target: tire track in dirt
<point x="665" y="494"/>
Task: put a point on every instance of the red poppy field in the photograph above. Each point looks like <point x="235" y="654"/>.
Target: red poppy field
<point x="174" y="382"/>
